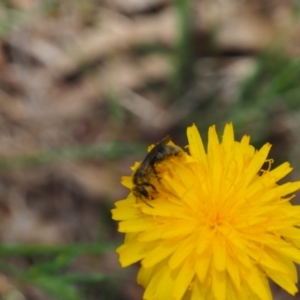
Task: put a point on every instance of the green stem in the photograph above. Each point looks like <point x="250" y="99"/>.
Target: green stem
<point x="184" y="52"/>
<point x="30" y="250"/>
<point x="106" y="150"/>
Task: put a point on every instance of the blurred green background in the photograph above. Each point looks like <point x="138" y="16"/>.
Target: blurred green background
<point x="86" y="86"/>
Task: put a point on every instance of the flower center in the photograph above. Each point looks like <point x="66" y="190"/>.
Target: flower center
<point x="216" y="217"/>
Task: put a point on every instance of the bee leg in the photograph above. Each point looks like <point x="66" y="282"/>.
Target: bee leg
<point x="145" y="193"/>
<point x="152" y="186"/>
<point x="147" y="203"/>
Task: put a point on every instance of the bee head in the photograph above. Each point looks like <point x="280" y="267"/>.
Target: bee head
<point x="144" y="191"/>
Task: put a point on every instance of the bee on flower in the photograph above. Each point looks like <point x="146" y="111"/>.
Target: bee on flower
<point x="146" y="178"/>
<point x="212" y="223"/>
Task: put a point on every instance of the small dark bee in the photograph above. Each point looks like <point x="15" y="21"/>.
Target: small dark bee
<point x="143" y="188"/>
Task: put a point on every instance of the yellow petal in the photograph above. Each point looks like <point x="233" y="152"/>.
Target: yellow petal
<point x="219" y="282"/>
<point x="183" y="279"/>
<point x="219" y="250"/>
<point x="196" y="147"/>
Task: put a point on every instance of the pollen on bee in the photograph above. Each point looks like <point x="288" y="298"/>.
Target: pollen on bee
<point x="146" y="178"/>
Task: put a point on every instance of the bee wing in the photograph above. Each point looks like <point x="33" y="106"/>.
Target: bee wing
<point x="150" y="157"/>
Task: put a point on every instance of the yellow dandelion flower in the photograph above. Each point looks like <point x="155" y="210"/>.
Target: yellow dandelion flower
<point x="218" y="225"/>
